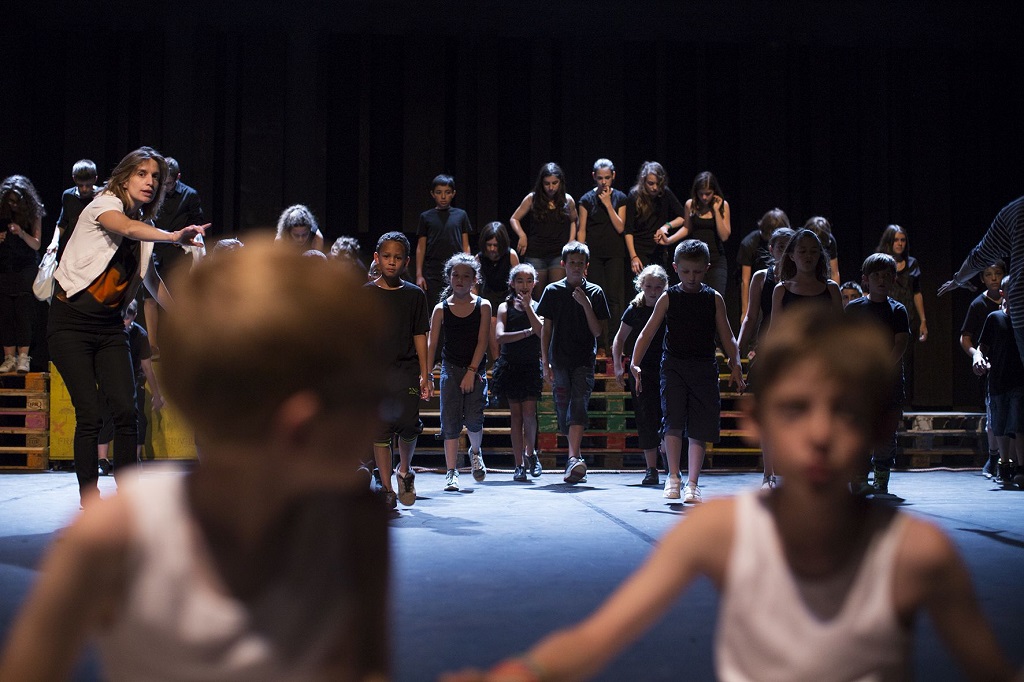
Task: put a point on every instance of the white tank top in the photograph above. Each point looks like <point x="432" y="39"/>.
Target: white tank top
<point x="179" y="623"/>
<point x="767" y="632"/>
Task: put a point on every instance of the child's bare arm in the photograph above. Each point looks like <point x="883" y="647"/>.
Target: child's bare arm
<point x="931" y="574"/>
<point x="617" y="345"/>
<point x="643" y="341"/>
<point x="836" y="294"/>
<point x="581" y="231"/>
<point x="899" y="347"/>
<point x="154" y="385"/>
<point x="482" y="338"/>
<point x="580" y="296"/>
<point x="81" y="583"/>
<point x="545" y="343"/>
<point x="732" y="351"/>
<point x="777" y="293"/>
<point x="698" y="545"/>
<point x="753" y="310"/>
<point x="513" y="222"/>
<point x="425" y="352"/>
<point x="536" y="321"/>
<point x="465" y="243"/>
<point x="421" y="252"/>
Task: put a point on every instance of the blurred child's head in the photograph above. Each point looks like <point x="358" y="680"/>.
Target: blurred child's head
<point x="229" y="244"/>
<point x="705" y="188"/>
<point x="850" y="291"/>
<point x="314" y="253"/>
<point x="461" y="271"/>
<point x="804" y="253"/>
<point x="894" y="242"/>
<point x="234" y="318"/>
<point x="650" y="284"/>
<point x="575" y="259"/>
<point x="550" y="186"/>
<point x="84" y="175"/>
<point x="391" y="254"/>
<point x="493" y="242"/>
<point x="772" y="220"/>
<point x="992" y="276"/>
<point x="442" y="189"/>
<point x="521" y="279"/>
<point x="822" y="393"/>
<point x="877" y="275"/>
<point x="296" y="225"/>
<point x="346" y="248"/>
<point x="691" y="262"/>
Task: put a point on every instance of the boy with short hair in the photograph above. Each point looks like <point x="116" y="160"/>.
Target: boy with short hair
<point x="572" y="309"/>
<point x="850" y="291"/>
<point x="73" y="201"/>
<point x="404" y="308"/>
<point x="443" y="231"/>
<point x="988" y="301"/>
<point x="268" y="561"/>
<point x="878" y="274"/>
<point x="815" y="583"/>
<point x="602" y="213"/>
<point x="997" y="356"/>
<point x="691" y="401"/>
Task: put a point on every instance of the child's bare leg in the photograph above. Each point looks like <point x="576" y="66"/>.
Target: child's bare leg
<point x="651" y="458"/>
<point x="575" y="439"/>
<point x="406" y="449"/>
<point x="529" y="425"/>
<point x="492" y="340"/>
<point x="516" y="422"/>
<point x="695" y="459"/>
<point x="673" y="450"/>
<point x="451" y="453"/>
<point x="382" y="457"/>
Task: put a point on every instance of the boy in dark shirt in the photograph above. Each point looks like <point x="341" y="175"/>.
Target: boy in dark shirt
<point x="987" y="302"/>
<point x="602" y="221"/>
<point x="405" y="354"/>
<point x="572" y="309"/>
<point x="877" y="277"/>
<point x="73" y="201"/>
<point x="443" y="231"/>
<point x="997" y="356"/>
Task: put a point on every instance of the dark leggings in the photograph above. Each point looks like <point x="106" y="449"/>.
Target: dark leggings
<point x="97" y="369"/>
<point x="16" y="315"/>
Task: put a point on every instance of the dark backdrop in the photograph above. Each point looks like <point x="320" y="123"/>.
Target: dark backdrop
<point x="865" y="112"/>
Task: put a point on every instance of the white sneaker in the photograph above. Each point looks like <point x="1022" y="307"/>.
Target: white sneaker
<point x="23" y="364"/>
<point x="671" y="488"/>
<point x="575" y="470"/>
<point x="451" y="480"/>
<point x="476" y="462"/>
<point x="8" y="365"/>
<point x="691" y="494"/>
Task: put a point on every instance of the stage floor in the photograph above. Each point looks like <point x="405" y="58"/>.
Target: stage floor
<point x="481" y="573"/>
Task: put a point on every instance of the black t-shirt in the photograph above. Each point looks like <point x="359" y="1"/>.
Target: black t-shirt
<point x="495" y="277"/>
<point x="1001" y="350"/>
<point x="636" y="317"/>
<point x="664" y="208"/>
<point x="692" y="322"/>
<point x="603" y="239"/>
<point x="405" y="312"/>
<point x="71" y="207"/>
<point x="181" y="208"/>
<point x="906" y="284"/>
<point x="754" y="252"/>
<point x="572" y="343"/>
<point x="138" y="341"/>
<point x="547" y="232"/>
<point x="979" y="310"/>
<point x="443" y="230"/>
<point x="891" y="314"/>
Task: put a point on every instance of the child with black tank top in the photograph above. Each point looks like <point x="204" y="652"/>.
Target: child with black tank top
<point x="517" y="374"/>
<point x="650" y="285"/>
<point x="804" y="275"/>
<point x="496" y="259"/>
<point x="693" y="314"/>
<point x="466" y="320"/>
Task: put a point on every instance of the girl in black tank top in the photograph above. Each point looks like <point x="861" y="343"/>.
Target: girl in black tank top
<point x="466" y="319"/>
<point x="707" y="218"/>
<point x="804" y="275"/>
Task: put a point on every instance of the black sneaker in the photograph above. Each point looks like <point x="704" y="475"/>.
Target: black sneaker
<point x="533" y="465"/>
<point x="519" y="474"/>
<point x="651" y="477"/>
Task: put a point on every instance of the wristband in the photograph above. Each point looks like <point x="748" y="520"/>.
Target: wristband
<point x="472" y="369"/>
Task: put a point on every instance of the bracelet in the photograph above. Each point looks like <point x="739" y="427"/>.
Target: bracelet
<point x="634" y="258"/>
<point x="472" y="369"/>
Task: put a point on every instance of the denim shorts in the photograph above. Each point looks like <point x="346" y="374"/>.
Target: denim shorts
<point x="458" y="408"/>
<point x="572" y="389"/>
<point x="542" y="264"/>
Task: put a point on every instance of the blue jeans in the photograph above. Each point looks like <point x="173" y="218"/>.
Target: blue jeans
<point x="572" y="389"/>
